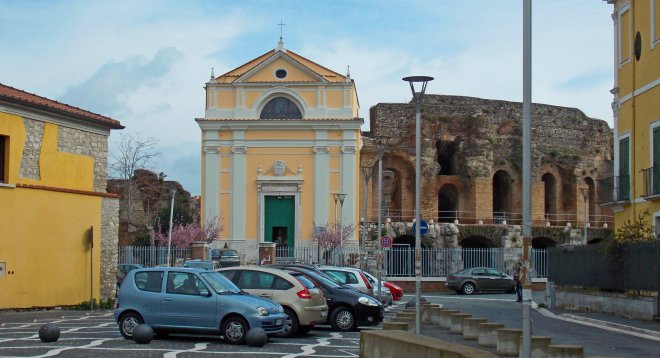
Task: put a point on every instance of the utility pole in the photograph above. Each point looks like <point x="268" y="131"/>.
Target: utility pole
<point x="527" y="180"/>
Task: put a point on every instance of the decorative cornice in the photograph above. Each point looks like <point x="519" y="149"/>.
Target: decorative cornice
<point x="211" y="150"/>
<point x="348" y="149"/>
<point x="321" y="149"/>
<point x="239" y="149"/>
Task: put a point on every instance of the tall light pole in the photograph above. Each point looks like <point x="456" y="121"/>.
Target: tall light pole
<point x="367" y="171"/>
<point x="340" y="197"/>
<point x="169" y="236"/>
<point x="380" y="142"/>
<point x="418" y="97"/>
<point x="585" y="196"/>
<point x="527" y="180"/>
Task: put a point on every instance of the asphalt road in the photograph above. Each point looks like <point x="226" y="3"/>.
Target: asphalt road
<point x="95" y="334"/>
<point x="502" y="308"/>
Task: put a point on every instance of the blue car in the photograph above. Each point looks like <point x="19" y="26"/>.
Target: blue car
<point x="177" y="299"/>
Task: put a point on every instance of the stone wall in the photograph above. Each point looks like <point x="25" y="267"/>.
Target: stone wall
<point x="34" y="133"/>
<point x="109" y="247"/>
<point x="483" y="137"/>
<point x="80" y="142"/>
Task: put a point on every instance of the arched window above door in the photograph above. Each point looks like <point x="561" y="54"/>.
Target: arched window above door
<point x="280" y="108"/>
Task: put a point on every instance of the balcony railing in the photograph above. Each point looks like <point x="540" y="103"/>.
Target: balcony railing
<point x="614" y="189"/>
<point x="651" y="181"/>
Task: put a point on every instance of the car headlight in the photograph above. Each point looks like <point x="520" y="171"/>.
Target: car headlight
<point x="262" y="311"/>
<point x="367" y="301"/>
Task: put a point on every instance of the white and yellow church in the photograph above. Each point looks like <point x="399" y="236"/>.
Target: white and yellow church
<point x="280" y="136"/>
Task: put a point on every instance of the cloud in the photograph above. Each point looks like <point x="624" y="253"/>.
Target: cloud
<point x="106" y="90"/>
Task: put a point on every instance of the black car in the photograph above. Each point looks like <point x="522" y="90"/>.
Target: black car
<point x="226" y="257"/>
<point x="348" y="308"/>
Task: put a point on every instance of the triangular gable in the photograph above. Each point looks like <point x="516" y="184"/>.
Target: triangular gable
<point x="264" y="71"/>
<point x="237" y="72"/>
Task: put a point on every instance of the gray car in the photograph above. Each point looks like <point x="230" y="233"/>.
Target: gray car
<point x="475" y="279"/>
<point x="178" y="299"/>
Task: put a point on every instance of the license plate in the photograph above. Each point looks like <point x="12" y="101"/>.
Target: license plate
<point x="324" y="314"/>
<point x="278" y="322"/>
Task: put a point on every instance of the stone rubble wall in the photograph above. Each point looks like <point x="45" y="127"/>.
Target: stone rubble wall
<point x="109" y="247"/>
<point x="79" y="142"/>
<point x="34" y="133"/>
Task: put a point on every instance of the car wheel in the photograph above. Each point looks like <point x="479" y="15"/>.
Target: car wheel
<point x="291" y="324"/>
<point x="342" y="319"/>
<point x="304" y="329"/>
<point x="128" y="322"/>
<point x="468" y="288"/>
<point x="234" y="329"/>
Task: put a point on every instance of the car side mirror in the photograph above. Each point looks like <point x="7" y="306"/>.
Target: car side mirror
<point x="205" y="293"/>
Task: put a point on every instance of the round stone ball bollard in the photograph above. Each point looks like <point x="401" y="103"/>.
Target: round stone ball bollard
<point x="143" y="334"/>
<point x="49" y="333"/>
<point x="256" y="337"/>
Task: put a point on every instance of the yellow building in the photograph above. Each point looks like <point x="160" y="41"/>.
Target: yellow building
<point x="636" y="106"/>
<point x="53" y="173"/>
<point x="279" y="136"/>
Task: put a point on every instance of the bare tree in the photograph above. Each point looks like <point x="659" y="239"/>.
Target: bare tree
<point x="133" y="153"/>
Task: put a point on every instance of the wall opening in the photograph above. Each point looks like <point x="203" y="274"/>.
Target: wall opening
<point x="447" y="157"/>
<point x="448" y="204"/>
<point x="550" y="196"/>
<point x="280" y="108"/>
<point x="501" y="197"/>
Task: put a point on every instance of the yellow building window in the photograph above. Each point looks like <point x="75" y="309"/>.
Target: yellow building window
<point x="4" y="141"/>
<point x="655" y="22"/>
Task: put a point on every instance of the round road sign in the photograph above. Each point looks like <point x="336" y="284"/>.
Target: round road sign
<point x="386" y="241"/>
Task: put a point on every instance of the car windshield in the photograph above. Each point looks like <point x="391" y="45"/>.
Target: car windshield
<point x="323" y="279"/>
<point x="219" y="283"/>
<point x="228" y="253"/>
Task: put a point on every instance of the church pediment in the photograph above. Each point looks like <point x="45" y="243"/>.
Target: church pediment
<point x="280" y="68"/>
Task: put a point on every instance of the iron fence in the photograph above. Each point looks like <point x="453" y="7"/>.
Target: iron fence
<point x="399" y="261"/>
<point x="152" y="256"/>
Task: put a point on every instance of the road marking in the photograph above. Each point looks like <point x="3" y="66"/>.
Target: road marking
<point x="549" y="314"/>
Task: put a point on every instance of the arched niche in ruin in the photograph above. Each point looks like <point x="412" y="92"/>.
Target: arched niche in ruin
<point x="591" y="199"/>
<point x="476" y="251"/>
<point x="392" y="194"/>
<point x="542" y="243"/>
<point x="447" y="203"/>
<point x="550" y="197"/>
<point x="447" y="156"/>
<point x="501" y="196"/>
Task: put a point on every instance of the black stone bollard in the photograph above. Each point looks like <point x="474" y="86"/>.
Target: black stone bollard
<point x="49" y="333"/>
<point x="143" y="334"/>
<point x="256" y="337"/>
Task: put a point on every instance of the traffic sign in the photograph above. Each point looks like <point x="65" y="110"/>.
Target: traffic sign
<point x="385" y="242"/>
<point x="423" y="229"/>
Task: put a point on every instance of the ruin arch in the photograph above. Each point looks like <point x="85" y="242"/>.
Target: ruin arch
<point x="448" y="197"/>
<point x="501" y="196"/>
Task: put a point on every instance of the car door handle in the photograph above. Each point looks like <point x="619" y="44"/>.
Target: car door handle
<point x="264" y="295"/>
<point x="167" y="299"/>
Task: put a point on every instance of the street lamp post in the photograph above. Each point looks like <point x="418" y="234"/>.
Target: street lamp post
<point x="380" y="142"/>
<point x="169" y="236"/>
<point x="418" y="97"/>
<point x="340" y="197"/>
<point x="585" y="196"/>
<point x="367" y="171"/>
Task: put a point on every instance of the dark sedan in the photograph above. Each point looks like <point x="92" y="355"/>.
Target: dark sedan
<point x="476" y="279"/>
<point x="226" y="257"/>
<point x="348" y="308"/>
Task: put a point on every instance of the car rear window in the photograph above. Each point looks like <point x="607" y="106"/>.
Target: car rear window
<point x="281" y="284"/>
<point x="304" y="281"/>
<point x="228" y="253"/>
<point x="151" y="281"/>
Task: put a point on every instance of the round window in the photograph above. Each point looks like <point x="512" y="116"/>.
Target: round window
<point x="281" y="73"/>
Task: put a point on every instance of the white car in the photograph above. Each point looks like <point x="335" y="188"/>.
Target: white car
<point x="385" y="292"/>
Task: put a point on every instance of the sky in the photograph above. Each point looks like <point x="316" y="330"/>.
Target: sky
<point x="145" y="62"/>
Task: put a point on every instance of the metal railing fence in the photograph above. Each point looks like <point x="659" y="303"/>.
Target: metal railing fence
<point x="400" y="259"/>
<point x="152" y="256"/>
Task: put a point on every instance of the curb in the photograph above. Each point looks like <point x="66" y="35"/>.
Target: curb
<point x="613" y="325"/>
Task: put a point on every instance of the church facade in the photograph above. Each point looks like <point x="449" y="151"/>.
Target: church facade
<point x="280" y="136"/>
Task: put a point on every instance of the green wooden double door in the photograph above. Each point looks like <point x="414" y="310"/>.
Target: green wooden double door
<point x="279" y="220"/>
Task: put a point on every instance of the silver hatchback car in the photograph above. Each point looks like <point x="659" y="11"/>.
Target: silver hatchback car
<point x="351" y="276"/>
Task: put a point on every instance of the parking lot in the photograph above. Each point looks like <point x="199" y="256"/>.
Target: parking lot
<point x="85" y="334"/>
